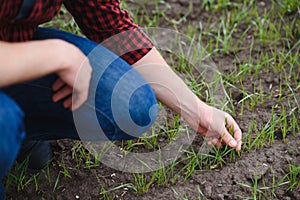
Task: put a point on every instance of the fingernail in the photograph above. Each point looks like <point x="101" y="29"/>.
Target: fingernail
<point x="232" y="143"/>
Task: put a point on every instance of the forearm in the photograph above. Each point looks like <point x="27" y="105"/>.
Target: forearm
<point x="168" y="87"/>
<point x="27" y="60"/>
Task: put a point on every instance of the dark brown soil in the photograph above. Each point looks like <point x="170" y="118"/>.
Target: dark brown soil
<point x="268" y="163"/>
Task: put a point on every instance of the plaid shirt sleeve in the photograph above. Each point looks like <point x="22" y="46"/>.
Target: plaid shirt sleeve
<point x="105" y="22"/>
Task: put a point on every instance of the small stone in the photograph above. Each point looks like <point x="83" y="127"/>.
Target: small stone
<point x="262" y="3"/>
<point x="76" y="196"/>
<point x="265" y="165"/>
<point x="270" y="86"/>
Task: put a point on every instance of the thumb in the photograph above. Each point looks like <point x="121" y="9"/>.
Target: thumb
<point x="228" y="139"/>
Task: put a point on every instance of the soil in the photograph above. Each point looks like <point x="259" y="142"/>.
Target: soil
<point x="224" y="182"/>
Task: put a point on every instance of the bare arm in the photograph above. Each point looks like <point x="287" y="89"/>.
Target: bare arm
<point x="25" y="61"/>
<point x="174" y="93"/>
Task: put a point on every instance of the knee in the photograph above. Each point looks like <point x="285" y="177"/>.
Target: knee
<point x="11" y="132"/>
<point x="137" y="114"/>
<point x="143" y="107"/>
<point x="126" y="106"/>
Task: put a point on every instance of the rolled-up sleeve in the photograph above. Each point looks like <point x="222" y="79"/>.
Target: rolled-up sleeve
<point x="105" y="22"/>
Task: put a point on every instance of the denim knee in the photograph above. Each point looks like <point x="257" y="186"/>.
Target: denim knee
<point x="133" y="118"/>
<point x="12" y="132"/>
<point x="143" y="108"/>
<point x="134" y="107"/>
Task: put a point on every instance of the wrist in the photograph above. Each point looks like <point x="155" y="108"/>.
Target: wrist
<point x="59" y="49"/>
<point x="194" y="111"/>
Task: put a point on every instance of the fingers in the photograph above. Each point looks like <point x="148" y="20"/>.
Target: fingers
<point x="237" y="133"/>
<point x="80" y="92"/>
<point x="217" y="133"/>
<point x="62" y="93"/>
<point x="58" y="84"/>
<point x="238" y="136"/>
<point x="220" y="137"/>
<point x="65" y="91"/>
<point x="68" y="103"/>
<point x="218" y="143"/>
<point x="228" y="139"/>
<point x="214" y="139"/>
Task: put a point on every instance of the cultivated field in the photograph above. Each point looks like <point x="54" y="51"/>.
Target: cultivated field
<point x="255" y="46"/>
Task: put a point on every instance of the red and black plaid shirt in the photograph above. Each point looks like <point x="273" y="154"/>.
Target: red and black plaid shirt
<point x="98" y="20"/>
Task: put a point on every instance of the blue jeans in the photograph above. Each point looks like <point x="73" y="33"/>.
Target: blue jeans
<point x="120" y="101"/>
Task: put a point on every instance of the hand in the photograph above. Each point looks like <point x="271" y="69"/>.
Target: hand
<point x="212" y="124"/>
<point x="74" y="67"/>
